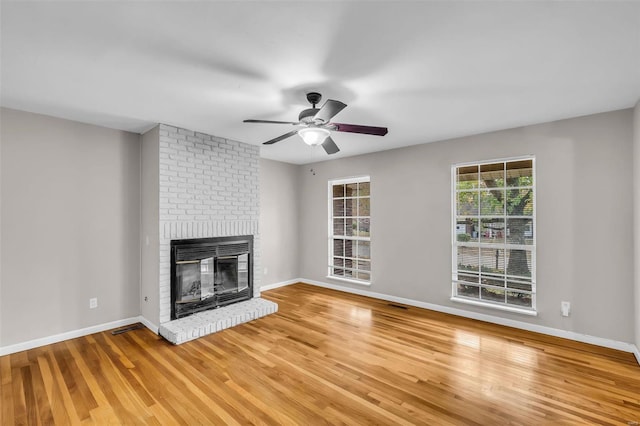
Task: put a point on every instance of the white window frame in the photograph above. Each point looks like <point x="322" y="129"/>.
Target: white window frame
<point x="331" y="236"/>
<point x="455" y="243"/>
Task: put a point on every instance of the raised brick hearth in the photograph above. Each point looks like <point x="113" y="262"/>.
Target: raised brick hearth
<point x="203" y="323"/>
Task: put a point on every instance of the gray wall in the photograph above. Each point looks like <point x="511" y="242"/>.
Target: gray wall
<point x="70" y="225"/>
<point x="75" y="189"/>
<point x="150" y="227"/>
<point x="636" y="214"/>
<point x="584" y="218"/>
<point x="279" y="192"/>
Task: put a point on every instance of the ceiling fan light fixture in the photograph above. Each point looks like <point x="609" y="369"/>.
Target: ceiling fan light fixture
<point x="314" y="136"/>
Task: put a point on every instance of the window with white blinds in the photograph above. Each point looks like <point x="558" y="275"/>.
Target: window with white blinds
<point x="494" y="243"/>
<point x="350" y="229"/>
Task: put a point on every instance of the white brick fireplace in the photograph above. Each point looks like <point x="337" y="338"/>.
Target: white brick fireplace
<point x="209" y="187"/>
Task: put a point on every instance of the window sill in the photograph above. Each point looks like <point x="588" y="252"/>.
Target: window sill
<point x="513" y="309"/>
<point x="347" y="280"/>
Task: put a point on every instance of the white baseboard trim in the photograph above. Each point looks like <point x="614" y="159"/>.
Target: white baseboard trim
<point x="280" y="284"/>
<point x="636" y="352"/>
<point x="571" y="335"/>
<point x="151" y="326"/>
<point x="35" y="343"/>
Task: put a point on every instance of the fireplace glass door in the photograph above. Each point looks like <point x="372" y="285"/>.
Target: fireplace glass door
<point x="195" y="280"/>
<point x="232" y="274"/>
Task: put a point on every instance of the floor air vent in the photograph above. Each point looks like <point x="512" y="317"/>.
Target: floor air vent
<point x="127" y="328"/>
<point x="393" y="305"/>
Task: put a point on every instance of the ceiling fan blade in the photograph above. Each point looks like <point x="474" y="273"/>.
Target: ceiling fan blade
<point x="355" y="128"/>
<point x="270" y="121"/>
<point x="330" y="146"/>
<point x="279" y="138"/>
<point x="329" y="110"/>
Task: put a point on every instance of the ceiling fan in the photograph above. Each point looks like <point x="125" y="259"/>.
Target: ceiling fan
<point x="317" y="127"/>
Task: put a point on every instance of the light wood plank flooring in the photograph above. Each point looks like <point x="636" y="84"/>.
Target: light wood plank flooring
<point x="325" y="358"/>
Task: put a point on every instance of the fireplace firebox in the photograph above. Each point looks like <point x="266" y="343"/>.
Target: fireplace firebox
<point x="208" y="273"/>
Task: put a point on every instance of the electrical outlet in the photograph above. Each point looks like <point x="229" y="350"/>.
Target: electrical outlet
<point x="146" y="299"/>
<point x="565" y="308"/>
<point x="265" y="271"/>
<point x="93" y="303"/>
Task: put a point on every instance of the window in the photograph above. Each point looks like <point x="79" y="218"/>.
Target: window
<point x="349" y="229"/>
<point x="493" y="235"/>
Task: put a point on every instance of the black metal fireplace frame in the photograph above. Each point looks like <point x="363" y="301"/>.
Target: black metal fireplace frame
<point x="213" y="244"/>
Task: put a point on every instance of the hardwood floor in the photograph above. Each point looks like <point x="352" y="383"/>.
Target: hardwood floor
<point x="325" y="358"/>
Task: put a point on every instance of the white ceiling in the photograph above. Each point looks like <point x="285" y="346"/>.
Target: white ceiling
<point x="426" y="70"/>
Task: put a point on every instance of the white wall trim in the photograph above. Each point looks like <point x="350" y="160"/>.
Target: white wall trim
<point x="35" y="343"/>
<point x="636" y="352"/>
<point x="151" y="326"/>
<point x="281" y="284"/>
<point x="571" y="335"/>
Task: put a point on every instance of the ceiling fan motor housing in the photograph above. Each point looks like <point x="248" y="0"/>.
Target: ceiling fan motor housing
<point x="307" y="115"/>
